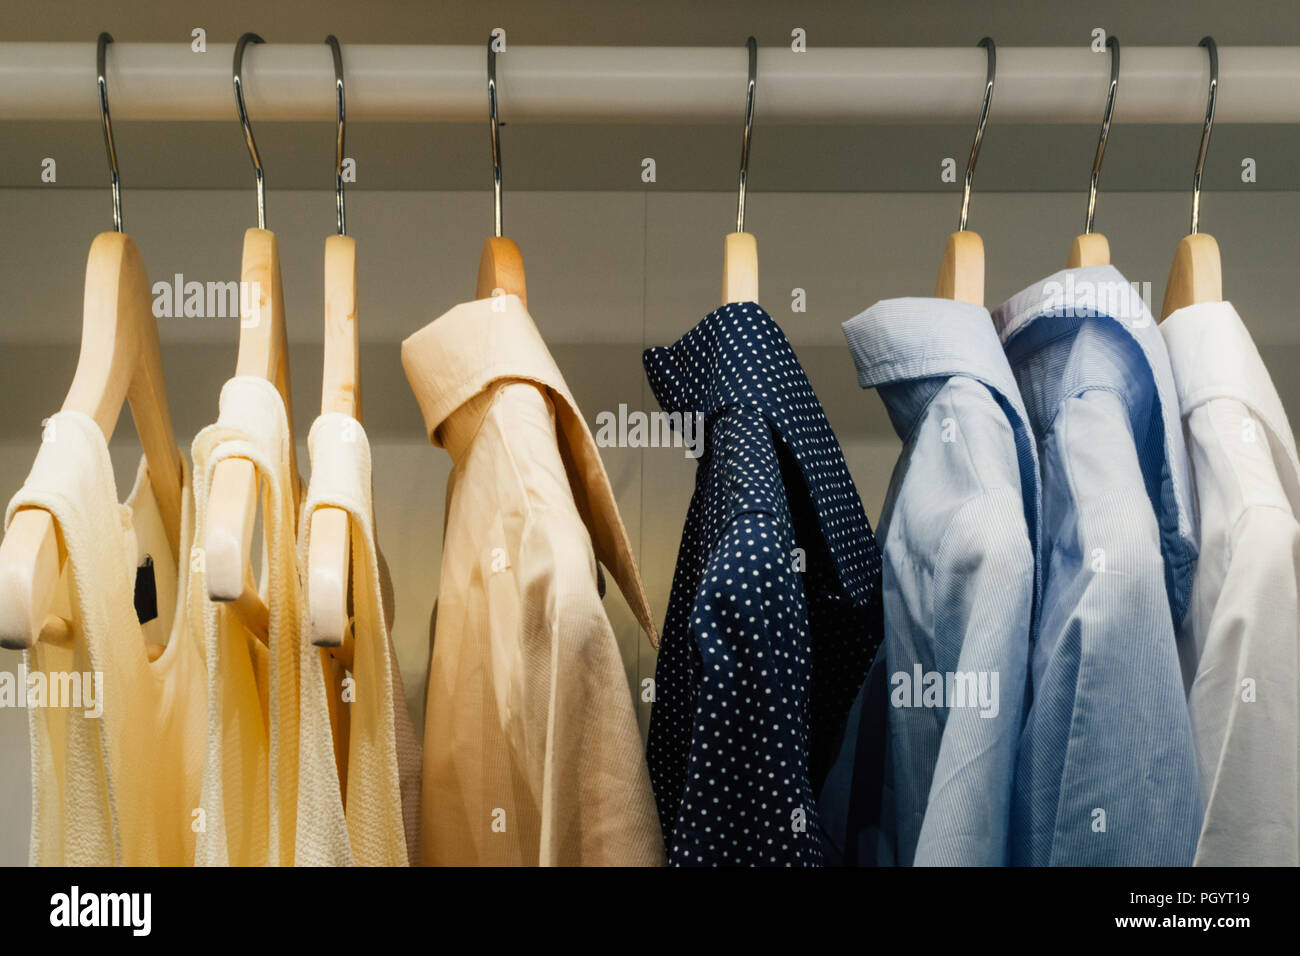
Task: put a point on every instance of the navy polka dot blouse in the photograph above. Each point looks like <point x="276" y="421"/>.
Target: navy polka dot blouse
<point x="774" y="616"/>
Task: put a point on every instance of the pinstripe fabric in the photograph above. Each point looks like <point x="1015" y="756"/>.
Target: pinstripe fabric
<point x="1106" y="773"/>
<point x="958" y="535"/>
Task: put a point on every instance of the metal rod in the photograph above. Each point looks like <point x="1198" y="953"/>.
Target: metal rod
<point x="649" y="85"/>
<point x="494" y="123"/>
<point x="338" y="139"/>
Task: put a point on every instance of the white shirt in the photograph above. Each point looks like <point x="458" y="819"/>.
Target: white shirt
<point x="1239" y="640"/>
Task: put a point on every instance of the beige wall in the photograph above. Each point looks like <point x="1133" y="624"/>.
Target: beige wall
<point x="608" y="273"/>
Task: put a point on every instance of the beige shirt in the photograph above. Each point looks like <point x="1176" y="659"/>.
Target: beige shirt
<point x="116" y="739"/>
<point x="531" y="749"/>
<point x="271" y="794"/>
<point x="378" y="756"/>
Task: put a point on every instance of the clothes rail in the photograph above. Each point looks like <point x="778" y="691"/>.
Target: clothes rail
<point x="295" y="82"/>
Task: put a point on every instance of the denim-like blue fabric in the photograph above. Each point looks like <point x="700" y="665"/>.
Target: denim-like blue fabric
<point x="1106" y="773"/>
<point x="774" y="616"/>
<point x="959" y="534"/>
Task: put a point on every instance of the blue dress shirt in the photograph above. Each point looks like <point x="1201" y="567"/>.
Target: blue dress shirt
<point x="1106" y="773"/>
<point x="958" y="533"/>
<point x="774" y="616"/>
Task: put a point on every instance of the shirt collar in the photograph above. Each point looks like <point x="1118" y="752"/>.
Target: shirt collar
<point x="906" y="348"/>
<point x="456" y="363"/>
<point x="1213" y="356"/>
<point x="1100" y="308"/>
<point x="903" y="340"/>
<point x="738" y="356"/>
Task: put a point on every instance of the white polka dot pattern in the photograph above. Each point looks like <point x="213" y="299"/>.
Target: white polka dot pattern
<point x="764" y="646"/>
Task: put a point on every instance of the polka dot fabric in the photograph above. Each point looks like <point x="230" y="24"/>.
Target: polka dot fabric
<point x="774" y="616"/>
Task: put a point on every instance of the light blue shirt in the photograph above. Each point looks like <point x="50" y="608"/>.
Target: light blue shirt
<point x="1106" y="773"/>
<point x="958" y="535"/>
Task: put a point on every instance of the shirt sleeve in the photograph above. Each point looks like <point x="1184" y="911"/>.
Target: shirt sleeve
<point x="747" y="798"/>
<point x="1243" y="700"/>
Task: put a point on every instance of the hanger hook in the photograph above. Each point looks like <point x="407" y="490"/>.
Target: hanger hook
<point x="988" y="44"/>
<point x="244" y="40"/>
<point x="338" y="139"/>
<point x="496" y="135"/>
<point x="752" y="45"/>
<point x="101" y="60"/>
<point x="1112" y="44"/>
<point x="1209" y="44"/>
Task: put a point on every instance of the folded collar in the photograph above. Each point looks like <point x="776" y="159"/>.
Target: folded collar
<point x="1213" y="356"/>
<point x="903" y="340"/>
<point x="1074" y="301"/>
<point x="738" y="356"/>
<point x="459" y="360"/>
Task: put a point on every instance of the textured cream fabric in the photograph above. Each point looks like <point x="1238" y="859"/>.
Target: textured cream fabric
<point x="531" y="748"/>
<point x="1241" y="637"/>
<point x="120" y="788"/>
<point x="377" y="750"/>
<point x="271" y="791"/>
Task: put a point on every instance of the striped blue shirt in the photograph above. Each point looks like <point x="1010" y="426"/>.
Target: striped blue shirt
<point x="1106" y="773"/>
<point x="958" y="536"/>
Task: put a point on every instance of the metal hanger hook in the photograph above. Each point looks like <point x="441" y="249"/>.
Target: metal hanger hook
<point x="1209" y="44"/>
<point x="101" y="60"/>
<point x="244" y="40"/>
<point x="495" y="125"/>
<point x="338" y="139"/>
<point x="752" y="45"/>
<point x="1112" y="43"/>
<point x="991" y="75"/>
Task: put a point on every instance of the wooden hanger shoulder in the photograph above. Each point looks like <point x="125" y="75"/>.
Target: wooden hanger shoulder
<point x="1196" y="275"/>
<point x="961" y="271"/>
<point x="1089" y="249"/>
<point x="739" y="268"/>
<point x="329" y="555"/>
<point x="120" y="360"/>
<point x="232" y="506"/>
<point x="501" y="270"/>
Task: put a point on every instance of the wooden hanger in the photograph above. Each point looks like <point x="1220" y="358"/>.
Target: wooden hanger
<point x="120" y="359"/>
<point x="1091" y="248"/>
<point x="739" y="249"/>
<point x="961" y="271"/>
<point x="263" y="353"/>
<point x="1197" y="272"/>
<point x="329" y="557"/>
<point x="501" y="264"/>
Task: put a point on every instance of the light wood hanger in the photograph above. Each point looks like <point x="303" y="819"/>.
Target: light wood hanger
<point x="961" y="271"/>
<point x="501" y="265"/>
<point x="120" y="359"/>
<point x="739" y="249"/>
<point x="329" y="556"/>
<point x="263" y="353"/>
<point x="1091" y="248"/>
<point x="1197" y="271"/>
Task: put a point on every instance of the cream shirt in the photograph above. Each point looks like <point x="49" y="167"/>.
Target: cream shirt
<point x="378" y="754"/>
<point x="1239" y="641"/>
<point x="271" y="793"/>
<point x="115" y="775"/>
<point x="531" y="749"/>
